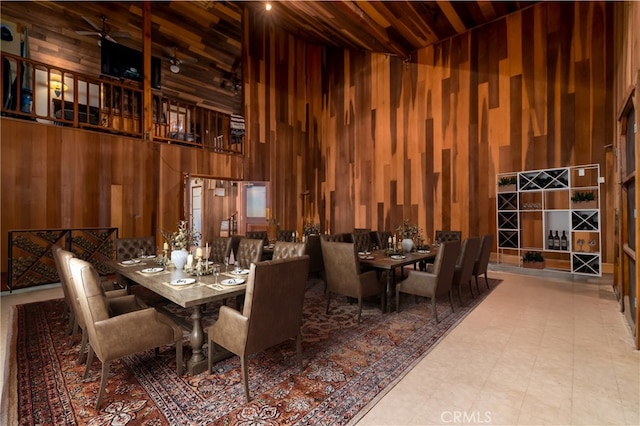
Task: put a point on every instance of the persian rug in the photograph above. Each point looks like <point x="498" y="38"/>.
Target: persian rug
<point x="346" y="367"/>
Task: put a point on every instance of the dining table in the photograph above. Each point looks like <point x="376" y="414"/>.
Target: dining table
<point x="385" y="261"/>
<point x="186" y="290"/>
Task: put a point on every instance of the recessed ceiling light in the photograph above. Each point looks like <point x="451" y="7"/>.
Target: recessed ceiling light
<point x="267" y="6"/>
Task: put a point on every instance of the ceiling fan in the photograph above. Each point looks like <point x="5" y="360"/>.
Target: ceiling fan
<point x="175" y="59"/>
<point x="102" y="31"/>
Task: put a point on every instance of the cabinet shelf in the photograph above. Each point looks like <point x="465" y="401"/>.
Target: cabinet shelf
<point x="548" y="201"/>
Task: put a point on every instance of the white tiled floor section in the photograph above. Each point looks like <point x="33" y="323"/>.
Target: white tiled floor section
<point x="536" y="351"/>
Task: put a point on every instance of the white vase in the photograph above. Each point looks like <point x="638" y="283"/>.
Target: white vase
<point x="179" y="258"/>
<point x="407" y="245"/>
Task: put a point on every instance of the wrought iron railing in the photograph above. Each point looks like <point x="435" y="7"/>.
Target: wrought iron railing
<point x="36" y="91"/>
<point x="31" y="261"/>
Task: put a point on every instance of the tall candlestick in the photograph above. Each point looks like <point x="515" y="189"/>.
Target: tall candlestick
<point x="165" y="246"/>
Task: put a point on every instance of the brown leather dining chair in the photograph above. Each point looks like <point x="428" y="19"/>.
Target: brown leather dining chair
<point x="343" y="275"/>
<point x="436" y="281"/>
<point x="362" y="240"/>
<point x="272" y="313"/>
<point x="464" y="265"/>
<point x="129" y="248"/>
<point x="113" y="336"/>
<point x="249" y="251"/>
<point x="285" y="250"/>
<point x="285" y="235"/>
<point x="76" y="320"/>
<point x="482" y="261"/>
<point x="220" y="249"/>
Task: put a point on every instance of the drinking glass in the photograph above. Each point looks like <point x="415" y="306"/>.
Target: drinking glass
<point x="216" y="272"/>
<point x="141" y="254"/>
<point x="226" y="264"/>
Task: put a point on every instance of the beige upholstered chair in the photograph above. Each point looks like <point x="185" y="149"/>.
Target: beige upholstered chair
<point x="336" y="238"/>
<point x="436" y="281"/>
<point x="272" y="312"/>
<point x="220" y="248"/>
<point x="113" y="336"/>
<point x="343" y="275"/>
<point x="129" y="248"/>
<point x="249" y="251"/>
<point x="76" y="320"/>
<point x="464" y="265"/>
<point x="482" y="261"/>
<point x="285" y="235"/>
<point x="362" y="240"/>
<point x="284" y="250"/>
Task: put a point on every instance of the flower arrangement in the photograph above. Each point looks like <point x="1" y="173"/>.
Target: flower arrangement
<point x="273" y="221"/>
<point x="407" y="230"/>
<point x="184" y="237"/>
<point x="311" y="228"/>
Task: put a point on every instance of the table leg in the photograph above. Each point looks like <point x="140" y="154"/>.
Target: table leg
<point x="387" y="292"/>
<point x="198" y="362"/>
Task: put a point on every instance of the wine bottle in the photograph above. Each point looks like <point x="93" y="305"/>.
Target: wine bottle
<point x="556" y="242"/>
<point x="550" y="240"/>
<point x="563" y="241"/>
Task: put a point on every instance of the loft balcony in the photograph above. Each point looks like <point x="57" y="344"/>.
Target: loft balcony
<point x="32" y="90"/>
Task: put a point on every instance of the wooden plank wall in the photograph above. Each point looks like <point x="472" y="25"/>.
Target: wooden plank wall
<point x="375" y="140"/>
<point x="59" y="177"/>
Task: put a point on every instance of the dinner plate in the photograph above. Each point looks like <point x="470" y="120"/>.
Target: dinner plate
<point x="183" y="281"/>
<point x="241" y="272"/>
<point x="398" y="257"/>
<point x="130" y="262"/>
<point x="232" y="281"/>
<point x="148" y="256"/>
<point x="152" y="270"/>
<point x="424" y="251"/>
<point x="369" y="257"/>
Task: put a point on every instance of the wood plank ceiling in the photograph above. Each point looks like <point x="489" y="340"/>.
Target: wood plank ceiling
<point x="206" y="35"/>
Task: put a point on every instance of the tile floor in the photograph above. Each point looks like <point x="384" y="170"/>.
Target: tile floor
<point x="544" y="349"/>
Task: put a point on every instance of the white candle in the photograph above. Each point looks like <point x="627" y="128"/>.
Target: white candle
<point x="189" y="260"/>
<point x="394" y="240"/>
<point x="166" y="246"/>
<point x="390" y="241"/>
<point x="199" y="252"/>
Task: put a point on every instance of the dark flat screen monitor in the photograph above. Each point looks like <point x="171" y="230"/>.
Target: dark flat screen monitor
<point x="123" y="62"/>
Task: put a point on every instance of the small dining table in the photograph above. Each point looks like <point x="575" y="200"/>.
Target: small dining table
<point x="381" y="260"/>
<point x="193" y="295"/>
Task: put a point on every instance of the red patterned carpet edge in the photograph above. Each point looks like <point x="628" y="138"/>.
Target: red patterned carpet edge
<point x="346" y="368"/>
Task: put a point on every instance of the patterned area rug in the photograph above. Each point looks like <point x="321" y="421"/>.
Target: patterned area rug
<point x="346" y="366"/>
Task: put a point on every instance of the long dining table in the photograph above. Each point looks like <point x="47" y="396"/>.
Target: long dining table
<point x="381" y="260"/>
<point x="193" y="296"/>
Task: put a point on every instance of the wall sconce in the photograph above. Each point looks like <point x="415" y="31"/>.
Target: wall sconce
<point x="58" y="87"/>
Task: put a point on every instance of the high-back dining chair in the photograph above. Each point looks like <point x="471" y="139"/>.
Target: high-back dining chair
<point x="114" y="336"/>
<point x="284" y="250"/>
<point x="61" y="258"/>
<point x="249" y="251"/>
<point x="258" y="235"/>
<point x="464" y="264"/>
<point x="445" y="236"/>
<point x="220" y="249"/>
<point x="436" y="281"/>
<point x="272" y="313"/>
<point x="129" y="248"/>
<point x="343" y="275"/>
<point x="285" y="235"/>
<point x="362" y="240"/>
<point x="482" y="261"/>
